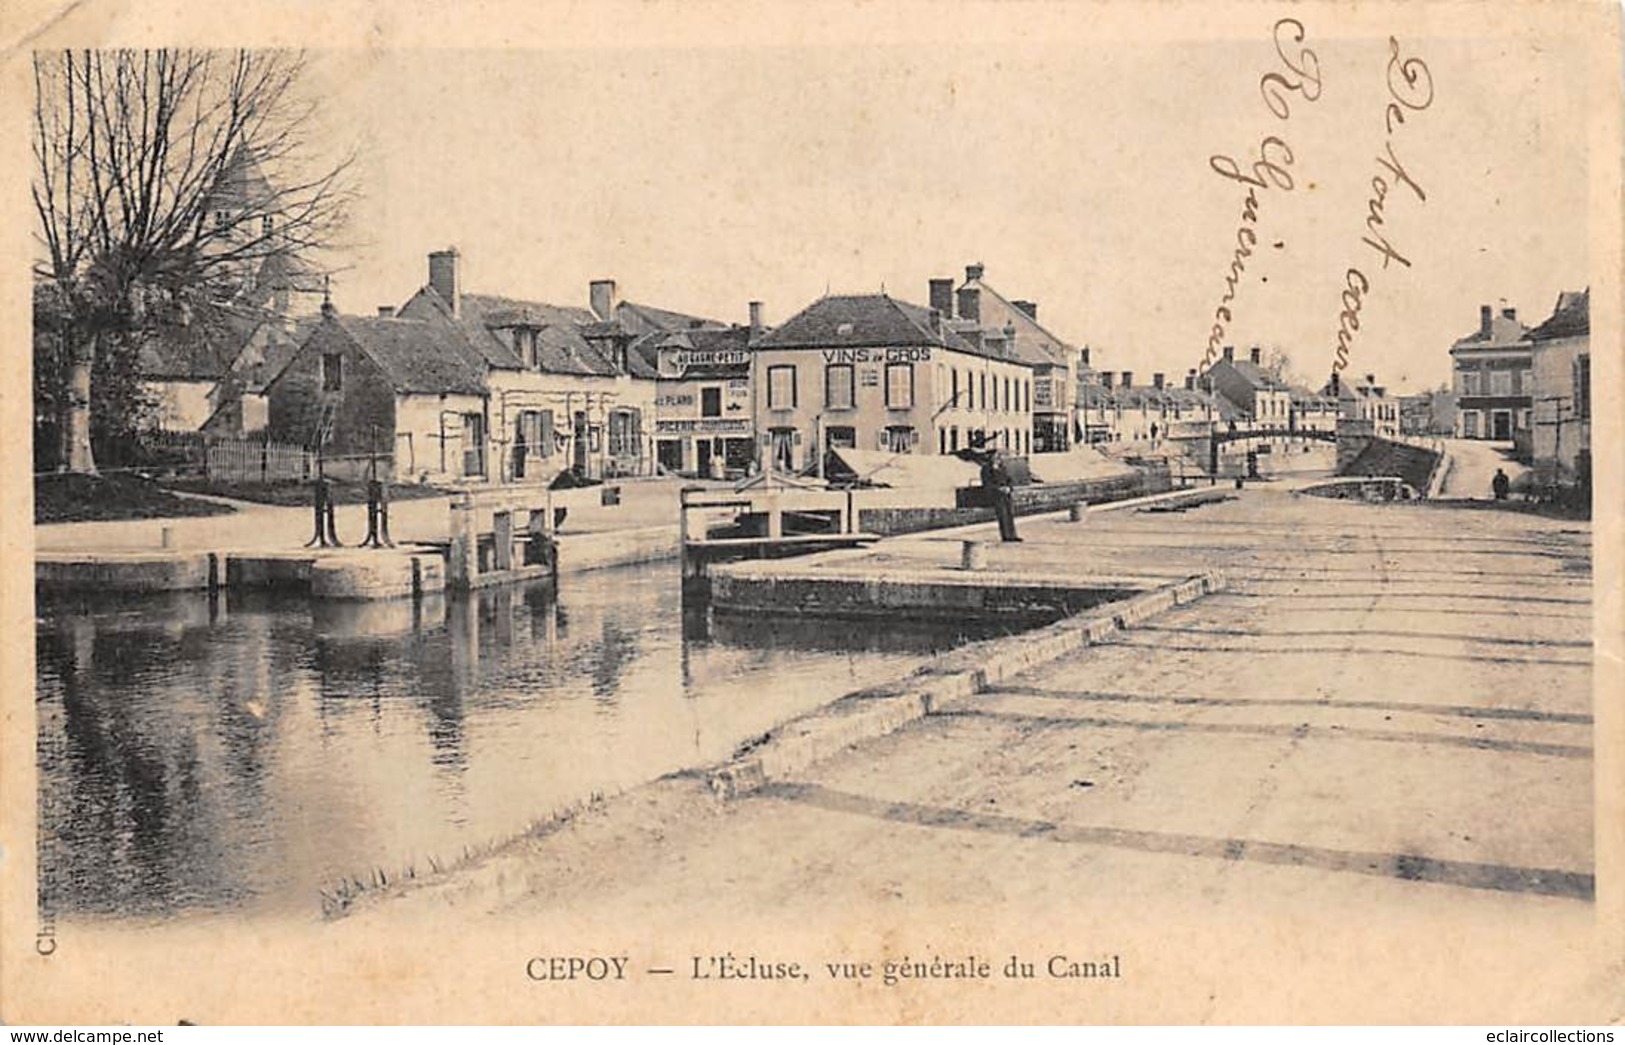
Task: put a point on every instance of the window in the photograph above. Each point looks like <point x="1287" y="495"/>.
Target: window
<point x="899" y="386"/>
<point x="983" y="396"/>
<point x="711" y="401"/>
<point x="838" y="387"/>
<point x="267" y="223"/>
<point x="1007" y="393"/>
<point x="1501" y="382"/>
<point x="898" y="439"/>
<point x="781" y="388"/>
<point x="955" y="399"/>
<point x="841" y="437"/>
<point x="1582" y="386"/>
<point x="953" y="438"/>
<point x="625" y="439"/>
<point x="942" y="440"/>
<point x="332" y="372"/>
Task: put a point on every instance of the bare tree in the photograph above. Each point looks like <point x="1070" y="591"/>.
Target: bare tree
<point x="164" y="182"/>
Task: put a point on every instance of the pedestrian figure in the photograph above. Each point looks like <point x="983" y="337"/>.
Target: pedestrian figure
<point x="997" y="482"/>
<point x="1500" y="485"/>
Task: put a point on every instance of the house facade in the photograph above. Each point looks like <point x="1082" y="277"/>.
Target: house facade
<point x="1261" y="401"/>
<point x="565" y="389"/>
<point x="1561" y="365"/>
<point x="1367" y="401"/>
<point x="702" y="417"/>
<point x="976" y="308"/>
<point x="408" y="393"/>
<point x="1492" y="379"/>
<point x="871" y="372"/>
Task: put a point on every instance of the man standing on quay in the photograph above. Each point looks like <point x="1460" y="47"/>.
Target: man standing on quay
<point x="996" y="480"/>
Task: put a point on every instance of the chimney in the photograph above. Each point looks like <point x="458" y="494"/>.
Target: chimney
<point x="1230" y="353"/>
<point x="386" y="311"/>
<point x="446" y="279"/>
<point x="1510" y="313"/>
<point x="1106" y="379"/>
<point x="1128" y="379"/>
<point x="970" y="302"/>
<point x="1029" y="307"/>
<point x="1190" y="380"/>
<point x="973" y="272"/>
<point x="755" y="318"/>
<point x="1257" y="355"/>
<point x="942" y="296"/>
<point x="1157" y="381"/>
<point x="1371" y="380"/>
<point x="601" y="297"/>
<point x="1010" y="337"/>
<point x="1484" y="314"/>
<point x="1084" y="357"/>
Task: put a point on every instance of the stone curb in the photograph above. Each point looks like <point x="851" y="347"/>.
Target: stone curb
<point x="956" y="677"/>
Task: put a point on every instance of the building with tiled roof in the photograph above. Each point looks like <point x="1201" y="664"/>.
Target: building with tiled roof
<point x="1261" y="397"/>
<point x="978" y="310"/>
<point x="411" y="390"/>
<point x="872" y="372"/>
<point x="703" y="424"/>
<point x="1560" y="350"/>
<point x="1366" y="401"/>
<point x="1492" y="377"/>
<point x="565" y="389"/>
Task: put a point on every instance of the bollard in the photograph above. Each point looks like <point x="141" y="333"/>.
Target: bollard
<point x="972" y="555"/>
<point x="462" y="560"/>
<point x="1078" y="512"/>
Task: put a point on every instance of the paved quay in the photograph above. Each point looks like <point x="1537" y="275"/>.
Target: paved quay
<point x="1365" y="762"/>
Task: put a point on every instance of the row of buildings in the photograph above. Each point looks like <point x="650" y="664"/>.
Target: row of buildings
<point x="1530" y="386"/>
<point x="454" y="384"/>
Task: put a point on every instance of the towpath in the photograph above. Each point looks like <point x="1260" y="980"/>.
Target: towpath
<point x="1365" y="766"/>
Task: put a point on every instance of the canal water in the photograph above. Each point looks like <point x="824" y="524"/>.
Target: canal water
<point x="243" y="753"/>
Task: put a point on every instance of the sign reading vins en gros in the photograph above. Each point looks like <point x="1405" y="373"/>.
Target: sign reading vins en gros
<point x="877" y="355"/>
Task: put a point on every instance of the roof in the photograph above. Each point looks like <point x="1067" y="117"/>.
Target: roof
<point x="1254" y="374"/>
<point x="415" y="355"/>
<point x="201" y="350"/>
<point x="1036" y="352"/>
<point x="643" y="319"/>
<point x="869" y="320"/>
<point x="561" y="345"/>
<point x="1504" y="332"/>
<point x="1571" y="317"/>
<point x="646" y="349"/>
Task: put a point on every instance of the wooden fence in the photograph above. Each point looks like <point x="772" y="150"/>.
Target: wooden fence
<point x="247" y="461"/>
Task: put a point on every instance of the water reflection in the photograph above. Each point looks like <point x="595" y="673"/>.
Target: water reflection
<point x="242" y="752"/>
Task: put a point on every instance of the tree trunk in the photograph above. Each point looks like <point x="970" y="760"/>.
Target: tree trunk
<point x="76" y="453"/>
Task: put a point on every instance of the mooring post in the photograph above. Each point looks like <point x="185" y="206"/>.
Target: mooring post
<point x="1079" y="512"/>
<point x="972" y="555"/>
<point x="502" y="539"/>
<point x="462" y="559"/>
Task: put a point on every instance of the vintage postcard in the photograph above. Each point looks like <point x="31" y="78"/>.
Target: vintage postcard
<point x="1048" y="512"/>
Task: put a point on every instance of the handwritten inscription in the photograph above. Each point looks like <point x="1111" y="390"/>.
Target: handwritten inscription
<point x="1298" y="79"/>
<point x="1410" y="90"/>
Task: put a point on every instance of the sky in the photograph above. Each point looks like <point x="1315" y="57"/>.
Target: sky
<point x="1076" y="169"/>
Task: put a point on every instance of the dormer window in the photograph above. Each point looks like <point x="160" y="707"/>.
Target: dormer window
<point x="267" y="223"/>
